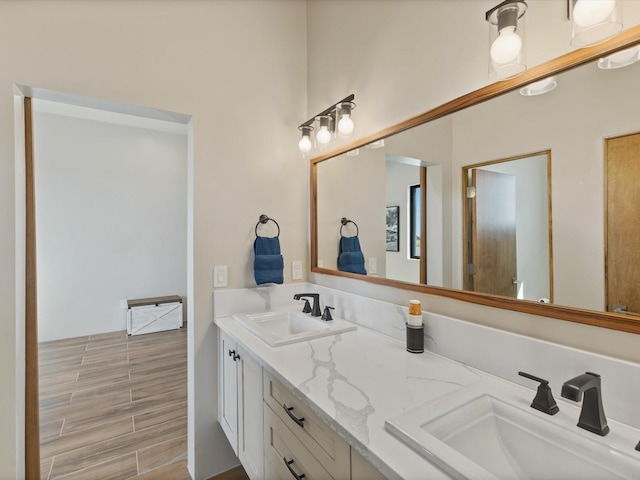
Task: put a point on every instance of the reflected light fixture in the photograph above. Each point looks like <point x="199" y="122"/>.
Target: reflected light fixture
<point x="620" y="59"/>
<point x="538" y="88"/>
<point x="594" y="21"/>
<point x="340" y="113"/>
<point x="376" y="144"/>
<point x="353" y="153"/>
<point x="506" y="39"/>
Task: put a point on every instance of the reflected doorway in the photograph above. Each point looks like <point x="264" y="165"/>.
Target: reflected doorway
<point x="507" y="227"/>
<point x="622" y="242"/>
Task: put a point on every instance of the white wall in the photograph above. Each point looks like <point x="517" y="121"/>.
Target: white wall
<point x="437" y="256"/>
<point x="402" y="58"/>
<point x="238" y="68"/>
<point x="431" y="144"/>
<point x="111" y="213"/>
<point x="344" y="190"/>
<point x="400" y="177"/>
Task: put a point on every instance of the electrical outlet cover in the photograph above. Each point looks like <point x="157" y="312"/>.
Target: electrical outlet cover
<point x="296" y="270"/>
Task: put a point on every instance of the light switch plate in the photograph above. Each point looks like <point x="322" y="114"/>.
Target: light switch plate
<point x="373" y="265"/>
<point x="220" y="276"/>
<point x="296" y="270"/>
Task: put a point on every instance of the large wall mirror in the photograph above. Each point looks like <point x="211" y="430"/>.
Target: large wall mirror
<point x="437" y="200"/>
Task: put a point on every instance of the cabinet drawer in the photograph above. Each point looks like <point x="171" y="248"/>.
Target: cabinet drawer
<point x="285" y="457"/>
<point x="325" y="444"/>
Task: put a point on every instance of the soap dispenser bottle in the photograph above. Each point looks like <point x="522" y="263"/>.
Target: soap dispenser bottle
<point x="415" y="328"/>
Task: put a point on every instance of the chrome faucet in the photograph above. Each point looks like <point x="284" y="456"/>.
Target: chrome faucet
<point x="592" y="415"/>
<point x="315" y="310"/>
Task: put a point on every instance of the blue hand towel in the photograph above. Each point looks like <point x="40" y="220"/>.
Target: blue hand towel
<point x="268" y="264"/>
<point x="350" y="258"/>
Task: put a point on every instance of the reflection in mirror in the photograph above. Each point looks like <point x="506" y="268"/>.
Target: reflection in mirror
<point x="349" y="185"/>
<point x="569" y="124"/>
<point x="350" y="256"/>
<point x="507" y="234"/>
<point x="622" y="170"/>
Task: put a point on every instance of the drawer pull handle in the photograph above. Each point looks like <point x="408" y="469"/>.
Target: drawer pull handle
<point x="232" y="353"/>
<point x="299" y="421"/>
<point x="295" y="475"/>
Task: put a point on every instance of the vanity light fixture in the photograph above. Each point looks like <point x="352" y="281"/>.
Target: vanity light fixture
<point x="326" y="128"/>
<point x="305" y="142"/>
<point x="594" y="21"/>
<point x="538" y="88"/>
<point x="620" y="59"/>
<point x="345" y="124"/>
<point x="506" y="39"/>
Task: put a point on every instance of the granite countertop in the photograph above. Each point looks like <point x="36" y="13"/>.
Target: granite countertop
<point x="357" y="380"/>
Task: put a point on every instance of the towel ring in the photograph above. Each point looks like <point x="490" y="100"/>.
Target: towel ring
<point x="344" y="221"/>
<point x="264" y="219"/>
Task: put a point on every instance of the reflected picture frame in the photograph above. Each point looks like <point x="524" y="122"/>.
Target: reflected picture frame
<point x="393" y="229"/>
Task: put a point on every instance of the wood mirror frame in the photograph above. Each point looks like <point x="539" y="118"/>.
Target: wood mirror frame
<point x="556" y="66"/>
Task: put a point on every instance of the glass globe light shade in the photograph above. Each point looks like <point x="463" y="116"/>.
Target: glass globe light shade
<point x="507" y="46"/>
<point x="304" y="144"/>
<point x="345" y="125"/>
<point x="323" y="136"/>
<point x="587" y="13"/>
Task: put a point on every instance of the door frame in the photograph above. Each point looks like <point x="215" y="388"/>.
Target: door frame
<point x="466" y="214"/>
<point x="26" y="235"/>
<point x="32" y="395"/>
<point x="605" y="154"/>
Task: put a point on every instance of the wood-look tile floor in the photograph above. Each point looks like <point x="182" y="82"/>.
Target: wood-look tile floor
<point x="114" y="407"/>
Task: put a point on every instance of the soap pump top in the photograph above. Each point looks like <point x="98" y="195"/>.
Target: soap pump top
<point x="414" y="307"/>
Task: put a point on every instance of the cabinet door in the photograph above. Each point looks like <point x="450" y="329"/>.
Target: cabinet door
<point x="228" y="389"/>
<point x="361" y="469"/>
<point x="250" y="421"/>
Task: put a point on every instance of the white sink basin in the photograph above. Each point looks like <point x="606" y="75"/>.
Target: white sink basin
<point x="488" y="431"/>
<point x="282" y="327"/>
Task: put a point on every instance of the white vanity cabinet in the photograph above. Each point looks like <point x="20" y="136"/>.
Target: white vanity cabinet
<point x="240" y="404"/>
<point x="297" y="442"/>
<point x="307" y="438"/>
<point x="275" y="435"/>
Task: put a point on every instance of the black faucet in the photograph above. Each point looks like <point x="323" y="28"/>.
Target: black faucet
<point x="326" y="315"/>
<point x="315" y="310"/>
<point x="543" y="400"/>
<point x="592" y="415"/>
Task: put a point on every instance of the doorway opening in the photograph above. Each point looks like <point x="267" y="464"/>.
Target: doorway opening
<point x="96" y="230"/>
<point x="507" y="227"/>
<point x="622" y="244"/>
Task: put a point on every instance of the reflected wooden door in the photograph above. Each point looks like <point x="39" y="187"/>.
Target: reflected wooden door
<point x="622" y="243"/>
<point x="494" y="233"/>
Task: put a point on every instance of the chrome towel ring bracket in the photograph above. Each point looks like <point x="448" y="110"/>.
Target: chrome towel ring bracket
<point x="345" y="221"/>
<point x="264" y="219"/>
